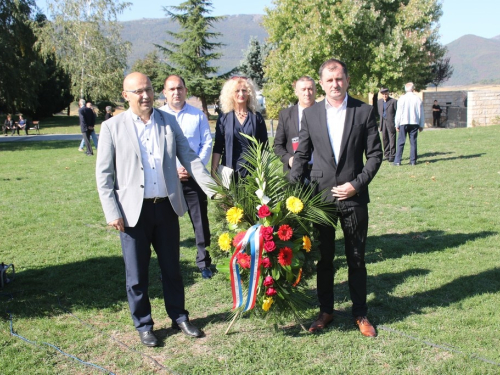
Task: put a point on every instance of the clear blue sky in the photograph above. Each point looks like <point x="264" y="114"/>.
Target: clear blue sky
<point x="460" y="17"/>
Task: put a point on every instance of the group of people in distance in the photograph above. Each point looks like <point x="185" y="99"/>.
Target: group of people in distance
<point x="151" y="169"/>
<point x="406" y="117"/>
<point x="13" y="126"/>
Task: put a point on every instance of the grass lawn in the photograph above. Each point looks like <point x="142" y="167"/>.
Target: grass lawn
<point x="433" y="276"/>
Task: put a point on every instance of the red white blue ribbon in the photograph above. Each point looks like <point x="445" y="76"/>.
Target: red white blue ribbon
<point x="255" y="239"/>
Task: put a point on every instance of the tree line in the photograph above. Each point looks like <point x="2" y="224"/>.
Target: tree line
<point x="76" y="52"/>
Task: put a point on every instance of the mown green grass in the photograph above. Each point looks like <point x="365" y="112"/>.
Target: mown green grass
<point x="432" y="255"/>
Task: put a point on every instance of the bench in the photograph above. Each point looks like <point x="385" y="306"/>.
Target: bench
<point x="36" y="127"/>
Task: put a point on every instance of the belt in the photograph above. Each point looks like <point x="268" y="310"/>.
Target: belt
<point x="155" y="200"/>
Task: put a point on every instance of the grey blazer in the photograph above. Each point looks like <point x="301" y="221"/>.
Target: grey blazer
<point x="119" y="170"/>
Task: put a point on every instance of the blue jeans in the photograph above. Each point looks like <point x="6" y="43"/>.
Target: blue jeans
<point x="412" y="131"/>
<point x="94" y="138"/>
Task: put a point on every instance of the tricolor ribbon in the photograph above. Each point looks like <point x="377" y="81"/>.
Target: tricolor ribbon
<point x="253" y="237"/>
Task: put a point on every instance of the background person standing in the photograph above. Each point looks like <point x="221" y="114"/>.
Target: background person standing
<point x="286" y="140"/>
<point x="387" y="107"/>
<point x="436" y="114"/>
<point x="409" y="120"/>
<point x="194" y="125"/>
<point x="87" y="122"/>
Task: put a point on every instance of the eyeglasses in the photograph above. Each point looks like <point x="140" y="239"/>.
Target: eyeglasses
<point x="140" y="92"/>
<point x="239" y="77"/>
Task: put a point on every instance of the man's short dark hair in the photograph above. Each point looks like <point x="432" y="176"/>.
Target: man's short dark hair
<point x="304" y="78"/>
<point x="174" y="75"/>
<point x="331" y="62"/>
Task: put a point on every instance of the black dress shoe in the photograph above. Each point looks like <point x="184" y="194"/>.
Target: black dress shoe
<point x="148" y="338"/>
<point x="187" y="328"/>
<point x="206" y="273"/>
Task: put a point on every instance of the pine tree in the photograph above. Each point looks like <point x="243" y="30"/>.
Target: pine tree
<point x="192" y="57"/>
<point x="252" y="65"/>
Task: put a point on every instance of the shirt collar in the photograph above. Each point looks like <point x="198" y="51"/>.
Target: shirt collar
<point x="342" y="107"/>
<point x="137" y="118"/>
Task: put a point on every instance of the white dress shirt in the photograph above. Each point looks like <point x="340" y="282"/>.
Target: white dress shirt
<point x="410" y="111"/>
<point x="148" y="136"/>
<point x="335" y="120"/>
<point x="194" y="125"/>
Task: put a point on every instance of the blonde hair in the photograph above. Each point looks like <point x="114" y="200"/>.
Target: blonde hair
<point x="227" y="94"/>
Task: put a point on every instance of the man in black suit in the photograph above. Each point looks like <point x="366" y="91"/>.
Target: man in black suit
<point x="387" y="107"/>
<point x="87" y="122"/>
<point x="286" y="140"/>
<point x="342" y="131"/>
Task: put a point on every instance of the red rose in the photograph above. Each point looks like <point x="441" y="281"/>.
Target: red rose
<point x="268" y="281"/>
<point x="285" y="232"/>
<point x="266" y="263"/>
<point x="285" y="256"/>
<point x="267" y="233"/>
<point x="243" y="260"/>
<point x="264" y="211"/>
<point x="269" y="246"/>
<point x="237" y="239"/>
<point x="271" y="292"/>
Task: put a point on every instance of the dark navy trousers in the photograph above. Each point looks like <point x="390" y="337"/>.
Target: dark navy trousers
<point x="158" y="226"/>
<point x="412" y="131"/>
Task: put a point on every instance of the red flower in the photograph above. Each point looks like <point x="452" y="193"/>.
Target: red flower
<point x="264" y="211"/>
<point x="243" y="260"/>
<point x="238" y="238"/>
<point x="268" y="281"/>
<point x="285" y="256"/>
<point x="271" y="292"/>
<point x="285" y="232"/>
<point x="267" y="233"/>
<point x="266" y="263"/>
<point x="269" y="246"/>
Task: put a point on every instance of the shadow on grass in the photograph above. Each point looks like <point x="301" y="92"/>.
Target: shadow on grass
<point x="397" y="245"/>
<point x="37" y="145"/>
<point x="95" y="283"/>
<point x="429" y="158"/>
<point x="387" y="308"/>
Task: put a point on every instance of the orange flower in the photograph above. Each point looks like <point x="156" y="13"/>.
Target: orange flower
<point x="306" y="243"/>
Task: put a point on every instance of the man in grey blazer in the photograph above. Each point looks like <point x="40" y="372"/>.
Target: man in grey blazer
<point x="286" y="140"/>
<point x="141" y="196"/>
<point x="342" y="131"/>
<point x="387" y="107"/>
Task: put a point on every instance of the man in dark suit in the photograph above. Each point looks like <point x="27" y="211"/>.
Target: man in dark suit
<point x="286" y="140"/>
<point x="141" y="196"/>
<point x="387" y="107"/>
<point x="87" y="122"/>
<point x="342" y="131"/>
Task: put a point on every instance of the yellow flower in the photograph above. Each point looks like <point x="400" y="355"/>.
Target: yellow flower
<point x="266" y="305"/>
<point x="234" y="215"/>
<point x="225" y="242"/>
<point x="294" y="205"/>
<point x="306" y="243"/>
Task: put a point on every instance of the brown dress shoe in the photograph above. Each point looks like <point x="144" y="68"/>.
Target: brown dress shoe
<point x="365" y="326"/>
<point x="321" y="322"/>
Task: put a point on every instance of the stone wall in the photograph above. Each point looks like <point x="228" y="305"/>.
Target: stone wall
<point x="483" y="108"/>
<point x="449" y="101"/>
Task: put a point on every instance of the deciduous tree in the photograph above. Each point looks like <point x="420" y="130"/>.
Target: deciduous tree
<point x="442" y="71"/>
<point x="382" y="42"/>
<point x="84" y="36"/>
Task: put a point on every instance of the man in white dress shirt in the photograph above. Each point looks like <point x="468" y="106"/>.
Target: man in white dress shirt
<point x="194" y="125"/>
<point x="409" y="120"/>
<point x="141" y="196"/>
